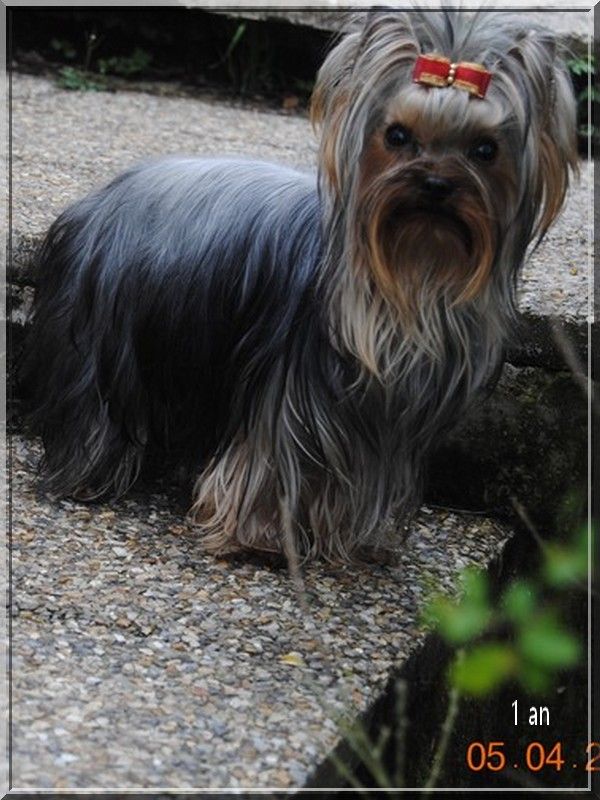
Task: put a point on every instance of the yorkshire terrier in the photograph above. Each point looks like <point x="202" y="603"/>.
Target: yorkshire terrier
<point x="301" y="342"/>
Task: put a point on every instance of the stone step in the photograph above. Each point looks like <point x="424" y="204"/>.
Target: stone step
<point x="59" y="157"/>
<point x="137" y="660"/>
<point x="573" y="26"/>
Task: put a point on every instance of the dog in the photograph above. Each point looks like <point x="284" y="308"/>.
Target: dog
<point x="301" y="343"/>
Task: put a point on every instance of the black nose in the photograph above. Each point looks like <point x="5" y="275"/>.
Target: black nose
<point x="438" y="188"/>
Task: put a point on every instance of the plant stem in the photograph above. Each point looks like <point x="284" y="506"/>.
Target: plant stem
<point x="447" y="727"/>
<point x="401" y="727"/>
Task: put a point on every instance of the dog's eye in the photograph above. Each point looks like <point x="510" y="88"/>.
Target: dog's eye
<point x="397" y="136"/>
<point x="484" y="150"/>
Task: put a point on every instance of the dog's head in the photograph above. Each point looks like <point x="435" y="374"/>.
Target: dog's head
<point x="447" y="140"/>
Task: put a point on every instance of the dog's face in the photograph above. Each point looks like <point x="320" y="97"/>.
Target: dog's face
<point x="442" y="190"/>
<point x="435" y="177"/>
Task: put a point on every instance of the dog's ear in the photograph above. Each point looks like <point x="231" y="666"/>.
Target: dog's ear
<point x="330" y="100"/>
<point x="333" y="78"/>
<point x="378" y="46"/>
<point x="552" y="114"/>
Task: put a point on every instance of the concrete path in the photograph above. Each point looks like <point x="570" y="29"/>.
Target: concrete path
<point x="138" y="661"/>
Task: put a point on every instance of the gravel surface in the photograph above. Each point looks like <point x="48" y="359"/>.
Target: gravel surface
<point x="138" y="661"/>
<point x="64" y="143"/>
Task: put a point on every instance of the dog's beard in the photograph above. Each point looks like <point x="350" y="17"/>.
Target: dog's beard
<point x="421" y="251"/>
<point x="418" y="270"/>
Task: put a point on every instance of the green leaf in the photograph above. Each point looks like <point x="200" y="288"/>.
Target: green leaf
<point x="240" y="31"/>
<point x="586" y="94"/>
<point x="460" y="621"/>
<point x="519" y="601"/>
<point x="475" y="585"/>
<point x="581" y="65"/>
<point x="77" y="80"/>
<point x="457" y="623"/>
<point x="578" y="67"/>
<point x="483" y="668"/>
<point x="533" y="679"/>
<point x="545" y="644"/>
<point x="566" y="565"/>
<point x="563" y="567"/>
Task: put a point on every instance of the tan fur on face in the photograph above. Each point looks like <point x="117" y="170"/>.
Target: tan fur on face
<point x="555" y="132"/>
<point x="552" y="183"/>
<point x="406" y="247"/>
<point x="329" y="104"/>
<point x="328" y="156"/>
<point x="365" y="85"/>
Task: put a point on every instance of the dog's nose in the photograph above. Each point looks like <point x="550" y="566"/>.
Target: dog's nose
<point x="438" y="188"/>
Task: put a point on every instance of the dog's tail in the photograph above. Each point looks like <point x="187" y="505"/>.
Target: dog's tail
<point x="74" y="370"/>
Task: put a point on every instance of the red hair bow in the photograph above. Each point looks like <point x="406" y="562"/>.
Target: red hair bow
<point x="434" y="70"/>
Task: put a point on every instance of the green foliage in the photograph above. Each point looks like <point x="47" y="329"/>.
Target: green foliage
<point x="582" y="68"/>
<point x="126" y="66"/>
<point x="539" y="645"/>
<point x="83" y="79"/>
<point x="519" y="637"/>
<point x="581" y="65"/>
<point x="235" y="39"/>
<point x="565" y="566"/>
<point x="469" y="617"/>
<point x="248" y="59"/>
<point x="79" y="80"/>
<point x="546" y="645"/>
<point x="519" y="601"/>
<point x="482" y="668"/>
